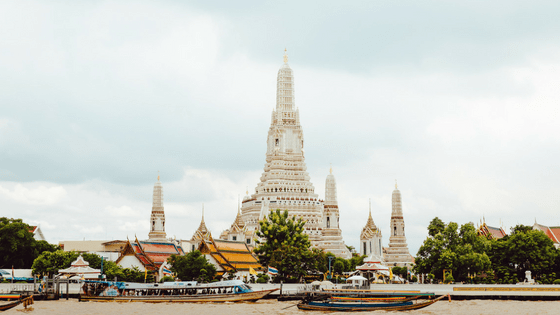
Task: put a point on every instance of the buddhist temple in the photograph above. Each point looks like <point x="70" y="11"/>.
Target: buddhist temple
<point x="80" y="269"/>
<point x="370" y="238"/>
<point x="553" y="232"/>
<point x="490" y="232"/>
<point x="150" y="255"/>
<point x="285" y="183"/>
<point x="234" y="258"/>
<point x="397" y="253"/>
<point x="202" y="233"/>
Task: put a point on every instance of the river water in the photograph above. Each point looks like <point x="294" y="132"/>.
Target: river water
<point x="268" y="307"/>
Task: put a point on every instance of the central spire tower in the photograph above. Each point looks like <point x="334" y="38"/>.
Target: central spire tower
<point x="285" y="183"/>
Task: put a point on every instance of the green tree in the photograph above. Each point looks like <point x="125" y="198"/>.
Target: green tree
<point x="448" y="247"/>
<point x="192" y="266"/>
<point x="18" y="248"/>
<point x="48" y="263"/>
<point x="285" y="247"/>
<point x="338" y="266"/>
<point x="525" y="249"/>
<point x="112" y="271"/>
<point x="355" y="261"/>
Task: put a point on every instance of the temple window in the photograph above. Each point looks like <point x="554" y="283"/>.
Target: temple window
<point x="395" y="231"/>
<point x="277" y="142"/>
<point x="234" y="238"/>
<point x="328" y="222"/>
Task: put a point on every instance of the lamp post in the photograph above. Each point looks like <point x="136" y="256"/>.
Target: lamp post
<point x="330" y="274"/>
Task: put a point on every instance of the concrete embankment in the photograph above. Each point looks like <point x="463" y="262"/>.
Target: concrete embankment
<point x="456" y="291"/>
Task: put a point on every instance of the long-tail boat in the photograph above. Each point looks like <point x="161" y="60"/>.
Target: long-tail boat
<point x="22" y="300"/>
<point x="329" y="305"/>
<point x="191" y="291"/>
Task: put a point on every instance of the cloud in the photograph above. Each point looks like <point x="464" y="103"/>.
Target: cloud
<point x="458" y="102"/>
<point x="40" y="195"/>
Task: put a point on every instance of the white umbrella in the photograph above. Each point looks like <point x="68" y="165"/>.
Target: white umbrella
<point x="316" y="282"/>
<point x="326" y="283"/>
<point x="356" y="278"/>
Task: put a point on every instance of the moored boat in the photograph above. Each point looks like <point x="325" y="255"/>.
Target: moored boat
<point x="25" y="301"/>
<point x="222" y="291"/>
<point x="328" y="305"/>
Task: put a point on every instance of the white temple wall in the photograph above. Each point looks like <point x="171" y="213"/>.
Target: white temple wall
<point x="130" y="261"/>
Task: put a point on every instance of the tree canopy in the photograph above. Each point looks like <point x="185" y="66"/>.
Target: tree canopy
<point x="448" y="247"/>
<point x="18" y="248"/>
<point x="525" y="249"/>
<point x="285" y="246"/>
<point x="504" y="260"/>
<point x="49" y="263"/>
<point x="193" y="266"/>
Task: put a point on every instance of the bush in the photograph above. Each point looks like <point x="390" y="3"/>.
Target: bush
<point x="449" y="279"/>
<point x="166" y="279"/>
<point x="557" y="281"/>
<point x="261" y="280"/>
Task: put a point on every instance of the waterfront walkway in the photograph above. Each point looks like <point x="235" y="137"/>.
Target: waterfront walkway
<point x="456" y="291"/>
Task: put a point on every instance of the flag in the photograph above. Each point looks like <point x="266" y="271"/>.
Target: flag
<point x="390" y="274"/>
<point x="272" y="271"/>
<point x="145" y="274"/>
<point x="252" y="271"/>
<point x="166" y="271"/>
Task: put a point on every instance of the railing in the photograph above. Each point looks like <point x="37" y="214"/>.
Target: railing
<point x="16" y="287"/>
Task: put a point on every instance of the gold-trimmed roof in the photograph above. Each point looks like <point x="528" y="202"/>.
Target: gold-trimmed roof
<point x="231" y="255"/>
<point x="370" y="229"/>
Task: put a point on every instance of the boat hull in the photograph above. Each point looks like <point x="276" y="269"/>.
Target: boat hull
<point x="7" y="306"/>
<point x="352" y="307"/>
<point x="238" y="297"/>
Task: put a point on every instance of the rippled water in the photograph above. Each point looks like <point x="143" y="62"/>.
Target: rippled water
<point x="274" y="307"/>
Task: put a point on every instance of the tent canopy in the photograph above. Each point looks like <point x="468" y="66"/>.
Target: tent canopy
<point x="356" y="278"/>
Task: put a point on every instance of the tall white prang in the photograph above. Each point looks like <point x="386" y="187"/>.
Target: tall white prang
<point x="397" y="252"/>
<point x="285" y="183"/>
<point x="157" y="219"/>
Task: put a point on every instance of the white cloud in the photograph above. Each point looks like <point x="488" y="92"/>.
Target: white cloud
<point x="39" y="195"/>
<point x="118" y="91"/>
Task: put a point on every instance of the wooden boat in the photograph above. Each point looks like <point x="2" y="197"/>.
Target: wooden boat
<point x="367" y="306"/>
<point x="373" y="299"/>
<point x="10" y="296"/>
<point x="25" y="301"/>
<point x="223" y="291"/>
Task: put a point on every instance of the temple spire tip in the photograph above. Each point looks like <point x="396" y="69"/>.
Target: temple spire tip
<point x="285" y="55"/>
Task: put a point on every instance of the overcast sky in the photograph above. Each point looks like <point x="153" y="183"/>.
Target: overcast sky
<point x="458" y="101"/>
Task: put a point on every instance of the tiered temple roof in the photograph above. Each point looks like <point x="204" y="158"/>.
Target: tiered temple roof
<point x="553" y="232"/>
<point x="491" y="232"/>
<point x="370" y="229"/>
<point x="231" y="256"/>
<point x="151" y="254"/>
<point x="202" y="232"/>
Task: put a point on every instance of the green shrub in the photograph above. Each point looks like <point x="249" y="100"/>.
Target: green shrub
<point x="557" y="281"/>
<point x="166" y="279"/>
